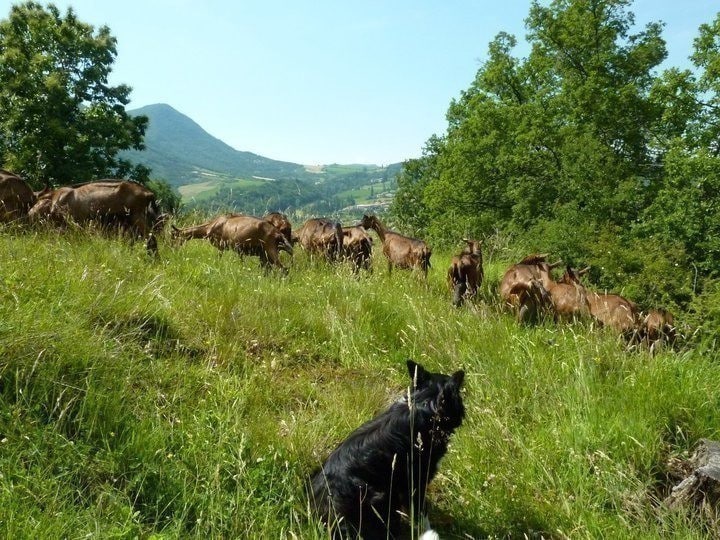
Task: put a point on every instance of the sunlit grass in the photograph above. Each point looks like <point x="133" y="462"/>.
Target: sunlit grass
<point x="192" y="396"/>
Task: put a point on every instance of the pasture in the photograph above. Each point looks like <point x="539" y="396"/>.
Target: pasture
<point x="192" y="396"/>
<point x="205" y="191"/>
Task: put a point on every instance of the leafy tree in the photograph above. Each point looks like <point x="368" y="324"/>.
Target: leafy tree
<point x="565" y="134"/>
<point x="60" y="120"/>
<point x="169" y="200"/>
<point x="706" y="58"/>
<point x="408" y="205"/>
<point x="582" y="149"/>
<point x="687" y="207"/>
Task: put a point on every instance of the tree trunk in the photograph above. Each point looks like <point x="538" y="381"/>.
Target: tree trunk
<point x="702" y="486"/>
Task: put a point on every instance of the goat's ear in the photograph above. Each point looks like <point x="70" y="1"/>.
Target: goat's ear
<point x="417" y="373"/>
<point x="458" y="377"/>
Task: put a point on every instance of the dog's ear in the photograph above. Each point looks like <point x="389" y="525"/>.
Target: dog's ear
<point x="458" y="377"/>
<point x="416" y="370"/>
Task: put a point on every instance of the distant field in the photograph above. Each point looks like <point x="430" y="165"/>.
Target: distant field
<point x="209" y="189"/>
<point x="344" y="169"/>
<point x="191" y="190"/>
<point x="362" y="195"/>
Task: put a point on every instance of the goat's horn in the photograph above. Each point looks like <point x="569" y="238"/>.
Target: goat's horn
<point x="556" y="264"/>
<point x="584" y="271"/>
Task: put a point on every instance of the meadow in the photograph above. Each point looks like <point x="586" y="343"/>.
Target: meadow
<point x="191" y="397"/>
<point x="205" y="191"/>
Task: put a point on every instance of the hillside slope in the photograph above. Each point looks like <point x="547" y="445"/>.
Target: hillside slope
<point x="191" y="397"/>
<point x="215" y="177"/>
<point x="179" y="150"/>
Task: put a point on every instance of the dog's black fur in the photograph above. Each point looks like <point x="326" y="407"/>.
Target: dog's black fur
<point x="385" y="465"/>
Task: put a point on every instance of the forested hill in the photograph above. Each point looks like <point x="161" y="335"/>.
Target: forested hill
<point x="212" y="175"/>
<point x="179" y="150"/>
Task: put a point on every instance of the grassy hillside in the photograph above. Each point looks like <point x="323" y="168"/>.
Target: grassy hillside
<point x="191" y="397"/>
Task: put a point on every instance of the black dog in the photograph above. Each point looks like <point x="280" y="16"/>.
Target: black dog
<point x="383" y="468"/>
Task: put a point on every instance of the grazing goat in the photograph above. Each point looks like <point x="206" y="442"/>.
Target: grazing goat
<point x="246" y="235"/>
<point x="110" y="203"/>
<point x="465" y="274"/>
<point x="532" y="301"/>
<point x="401" y="251"/>
<point x="522" y="289"/>
<point x="569" y="300"/>
<point x="357" y="247"/>
<point x="282" y="224"/>
<point x="656" y="329"/>
<point x="321" y="236"/>
<point x="382" y="469"/>
<point x="16" y="197"/>
<point x="610" y="310"/>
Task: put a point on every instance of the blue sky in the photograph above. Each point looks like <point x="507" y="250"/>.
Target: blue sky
<point x="322" y="81"/>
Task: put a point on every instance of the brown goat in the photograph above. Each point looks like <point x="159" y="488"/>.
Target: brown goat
<point x="518" y="277"/>
<point x="401" y="251"/>
<point x="16" y="197"/>
<point x="611" y="310"/>
<point x="117" y="203"/>
<point x="614" y="311"/>
<point x="246" y="235"/>
<point x="321" y="236"/>
<point x="41" y="211"/>
<point x="208" y="230"/>
<point x="570" y="300"/>
<point x="533" y="301"/>
<point x="282" y="224"/>
<point x="657" y="328"/>
<point x="357" y="247"/>
<point x="465" y="274"/>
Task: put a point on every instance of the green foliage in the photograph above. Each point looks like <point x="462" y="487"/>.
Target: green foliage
<point x="582" y="149"/>
<point x="60" y="121"/>
<point x="702" y="323"/>
<point x="192" y="396"/>
<point x="706" y="57"/>
<point x="686" y="209"/>
<point x="168" y="199"/>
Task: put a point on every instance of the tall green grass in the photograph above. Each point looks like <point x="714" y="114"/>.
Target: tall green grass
<point x="192" y="397"/>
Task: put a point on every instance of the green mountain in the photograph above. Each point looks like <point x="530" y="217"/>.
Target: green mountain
<point x="181" y="152"/>
<point x="212" y="175"/>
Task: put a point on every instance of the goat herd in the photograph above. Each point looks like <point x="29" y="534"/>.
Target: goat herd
<point x="527" y="288"/>
<point x="380" y="450"/>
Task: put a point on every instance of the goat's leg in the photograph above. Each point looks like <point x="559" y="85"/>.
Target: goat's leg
<point x="274" y="259"/>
